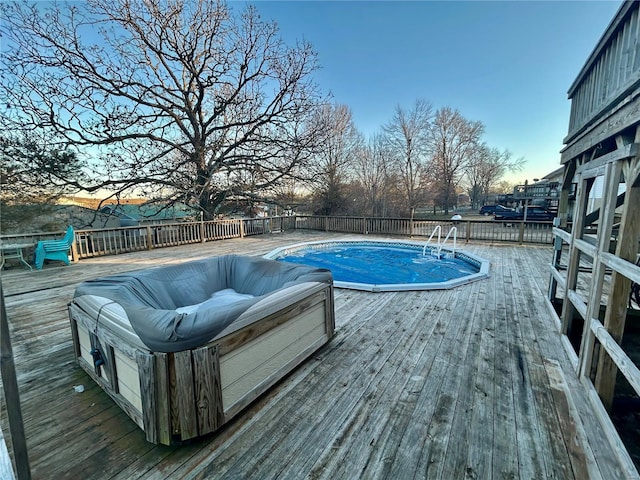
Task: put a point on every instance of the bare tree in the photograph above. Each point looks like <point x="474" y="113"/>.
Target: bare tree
<point x="330" y="169"/>
<point x="289" y="195"/>
<point x="504" y="187"/>
<point x="486" y="168"/>
<point x="183" y="101"/>
<point x="455" y="142"/>
<point x="408" y="138"/>
<point x="370" y="169"/>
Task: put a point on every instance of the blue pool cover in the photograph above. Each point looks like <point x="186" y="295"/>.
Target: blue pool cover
<point x="386" y="266"/>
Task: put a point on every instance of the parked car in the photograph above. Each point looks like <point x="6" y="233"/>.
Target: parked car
<point x="493" y="209"/>
<point x="535" y="214"/>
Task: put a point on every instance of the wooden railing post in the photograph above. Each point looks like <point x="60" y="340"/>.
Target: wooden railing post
<point x="203" y="237"/>
<point x="411" y="223"/>
<point x="521" y="233"/>
<point x="241" y="228"/>
<point x="149" y="238"/>
<point x="10" y="386"/>
<point x="74" y="251"/>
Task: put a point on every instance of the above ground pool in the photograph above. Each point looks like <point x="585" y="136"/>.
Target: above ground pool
<point x="387" y="266"/>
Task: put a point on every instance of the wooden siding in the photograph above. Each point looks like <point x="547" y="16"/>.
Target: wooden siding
<point x="472" y="382"/>
<point x="610" y="74"/>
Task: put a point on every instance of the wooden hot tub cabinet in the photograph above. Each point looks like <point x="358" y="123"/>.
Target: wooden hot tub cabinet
<point x="177" y="396"/>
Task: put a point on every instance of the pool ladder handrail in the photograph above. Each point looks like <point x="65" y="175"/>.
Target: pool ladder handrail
<point x="439" y="246"/>
<point x="438" y="229"/>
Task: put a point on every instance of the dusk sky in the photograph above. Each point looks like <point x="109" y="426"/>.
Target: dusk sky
<point x="507" y="64"/>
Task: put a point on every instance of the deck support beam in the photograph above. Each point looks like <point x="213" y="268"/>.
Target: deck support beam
<point x="616" y="312"/>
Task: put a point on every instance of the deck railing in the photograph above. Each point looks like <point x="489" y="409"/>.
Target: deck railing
<point x="110" y="241"/>
<point x="484" y="230"/>
<point x="113" y="241"/>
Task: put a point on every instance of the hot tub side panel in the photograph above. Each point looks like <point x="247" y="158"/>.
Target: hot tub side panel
<point x="177" y="396"/>
<point x="118" y="373"/>
<point x="256" y="357"/>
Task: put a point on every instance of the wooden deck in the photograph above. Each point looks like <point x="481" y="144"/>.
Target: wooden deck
<point x="466" y="383"/>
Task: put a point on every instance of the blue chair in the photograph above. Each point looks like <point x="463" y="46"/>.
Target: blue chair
<point x="54" y="249"/>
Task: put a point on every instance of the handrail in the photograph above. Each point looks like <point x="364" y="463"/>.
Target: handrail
<point x="440" y="244"/>
<point x="455" y="235"/>
<point x="438" y="229"/>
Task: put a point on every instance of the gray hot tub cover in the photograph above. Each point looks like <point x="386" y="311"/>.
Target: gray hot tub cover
<point x="150" y="297"/>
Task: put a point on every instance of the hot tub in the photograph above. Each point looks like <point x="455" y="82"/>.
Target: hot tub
<point x="184" y="348"/>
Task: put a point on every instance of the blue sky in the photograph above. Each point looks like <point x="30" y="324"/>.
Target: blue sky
<point x="508" y="64"/>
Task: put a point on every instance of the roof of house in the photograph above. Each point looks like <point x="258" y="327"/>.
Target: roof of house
<point x="153" y="211"/>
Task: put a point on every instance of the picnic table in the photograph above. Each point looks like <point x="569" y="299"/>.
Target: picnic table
<point x="14" y="250"/>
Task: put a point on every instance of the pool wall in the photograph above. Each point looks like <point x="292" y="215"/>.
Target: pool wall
<point x="482" y="264"/>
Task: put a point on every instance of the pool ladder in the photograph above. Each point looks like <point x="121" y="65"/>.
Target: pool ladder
<point x="436" y="250"/>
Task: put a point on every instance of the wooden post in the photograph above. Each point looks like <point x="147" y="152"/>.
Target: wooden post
<point x="148" y="394"/>
<point x="561" y="221"/>
<point x="605" y="227"/>
<point x="203" y="237"/>
<point x="12" y="396"/>
<point x="187" y="420"/>
<point x="411" y="223"/>
<point x="241" y="228"/>
<point x="557" y="256"/>
<point x="149" y="238"/>
<point x="616" y="312"/>
<point x="563" y="204"/>
<point x="74" y="251"/>
<point x="521" y="231"/>
<point x="207" y="389"/>
<point x="163" y="393"/>
<point x="568" y="311"/>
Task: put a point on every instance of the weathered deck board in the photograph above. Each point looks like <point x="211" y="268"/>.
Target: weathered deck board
<point x="577" y="402"/>
<point x="550" y="425"/>
<point x="533" y="448"/>
<point x="437" y="456"/>
<point x="481" y="448"/>
<point x="466" y="383"/>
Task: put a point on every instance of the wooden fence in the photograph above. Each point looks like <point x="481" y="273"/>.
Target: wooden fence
<point x="467" y="230"/>
<point x="112" y="241"/>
